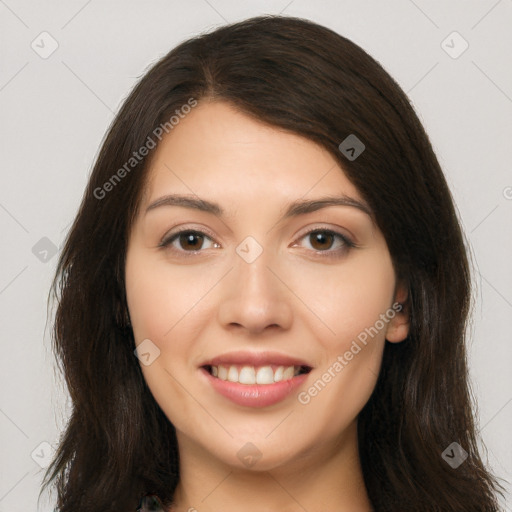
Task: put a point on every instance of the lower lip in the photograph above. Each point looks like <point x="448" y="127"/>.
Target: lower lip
<point x="255" y="395"/>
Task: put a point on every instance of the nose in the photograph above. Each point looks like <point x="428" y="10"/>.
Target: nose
<point x="254" y="298"/>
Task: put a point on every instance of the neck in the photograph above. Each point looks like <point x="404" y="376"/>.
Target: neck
<point x="325" y="478"/>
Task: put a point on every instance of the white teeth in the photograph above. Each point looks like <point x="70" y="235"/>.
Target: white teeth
<point x="233" y="374"/>
<point x="251" y="375"/>
<point x="222" y="372"/>
<point x="288" y="373"/>
<point x="265" y="375"/>
<point x="278" y="376"/>
<point x="247" y="375"/>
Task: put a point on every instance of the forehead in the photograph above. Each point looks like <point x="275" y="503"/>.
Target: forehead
<point x="218" y="152"/>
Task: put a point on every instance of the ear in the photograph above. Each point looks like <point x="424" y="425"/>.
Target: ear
<point x="398" y="326"/>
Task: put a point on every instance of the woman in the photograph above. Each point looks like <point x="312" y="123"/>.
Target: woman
<point x="264" y="295"/>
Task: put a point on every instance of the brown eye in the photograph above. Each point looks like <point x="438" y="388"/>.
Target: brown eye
<point x="190" y="240"/>
<point x="327" y="243"/>
<point x="321" y="240"/>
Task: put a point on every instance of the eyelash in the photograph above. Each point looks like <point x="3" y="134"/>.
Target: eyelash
<point x="329" y="253"/>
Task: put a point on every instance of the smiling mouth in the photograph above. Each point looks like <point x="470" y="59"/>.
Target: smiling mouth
<point x="250" y="375"/>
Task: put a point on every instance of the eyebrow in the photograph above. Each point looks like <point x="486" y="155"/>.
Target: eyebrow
<point x="295" y="208"/>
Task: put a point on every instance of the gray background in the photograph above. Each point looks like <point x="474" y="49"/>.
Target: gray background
<point x="55" y="111"/>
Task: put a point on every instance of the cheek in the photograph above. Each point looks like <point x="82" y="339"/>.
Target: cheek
<point x="169" y="305"/>
<point x="344" y="300"/>
<point x="161" y="304"/>
<point x="348" y="302"/>
<point x="161" y="296"/>
<point x="363" y="297"/>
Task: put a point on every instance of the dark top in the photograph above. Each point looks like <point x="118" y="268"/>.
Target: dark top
<point x="150" y="503"/>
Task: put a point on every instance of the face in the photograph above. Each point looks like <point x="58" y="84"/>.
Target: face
<point x="259" y="290"/>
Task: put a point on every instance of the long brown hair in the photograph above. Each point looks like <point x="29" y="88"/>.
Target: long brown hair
<point x="294" y="74"/>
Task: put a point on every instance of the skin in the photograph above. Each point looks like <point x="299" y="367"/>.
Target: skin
<point x="297" y="298"/>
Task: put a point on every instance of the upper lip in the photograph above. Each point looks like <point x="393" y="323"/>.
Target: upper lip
<point x="255" y="359"/>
